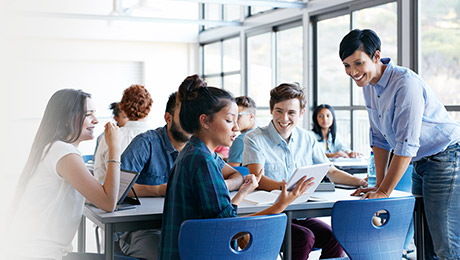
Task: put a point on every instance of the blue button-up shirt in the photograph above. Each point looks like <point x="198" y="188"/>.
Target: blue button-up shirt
<point x="152" y="154"/>
<point x="332" y="147"/>
<point x="279" y="158"/>
<point x="196" y="190"/>
<point x="405" y="115"/>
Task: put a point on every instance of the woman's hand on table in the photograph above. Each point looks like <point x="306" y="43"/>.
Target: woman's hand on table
<point x="360" y="191"/>
<point x="377" y="194"/>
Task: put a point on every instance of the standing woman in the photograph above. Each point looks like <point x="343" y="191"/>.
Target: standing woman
<point x="55" y="182"/>
<point x="196" y="187"/>
<point x="406" y="117"/>
<point x="325" y="130"/>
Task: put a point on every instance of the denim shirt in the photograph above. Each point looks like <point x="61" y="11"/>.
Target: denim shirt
<point x="265" y="146"/>
<point x="405" y="115"/>
<point x="332" y="147"/>
<point x="152" y="154"/>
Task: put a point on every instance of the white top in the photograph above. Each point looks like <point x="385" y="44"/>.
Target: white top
<point x="49" y="212"/>
<point x="128" y="132"/>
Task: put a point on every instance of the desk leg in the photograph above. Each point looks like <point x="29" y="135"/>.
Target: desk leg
<point x="109" y="254"/>
<point x="288" y="238"/>
<point x="419" y="228"/>
<point x="82" y="235"/>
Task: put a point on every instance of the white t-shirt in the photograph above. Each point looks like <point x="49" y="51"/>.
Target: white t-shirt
<point x="49" y="212"/>
<point x="128" y="132"/>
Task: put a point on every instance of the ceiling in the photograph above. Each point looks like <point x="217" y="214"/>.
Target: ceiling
<point x="139" y="20"/>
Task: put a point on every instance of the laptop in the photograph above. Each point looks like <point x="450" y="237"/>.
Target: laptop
<point x="127" y="180"/>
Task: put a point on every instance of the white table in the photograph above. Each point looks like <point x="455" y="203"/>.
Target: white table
<point x="148" y="215"/>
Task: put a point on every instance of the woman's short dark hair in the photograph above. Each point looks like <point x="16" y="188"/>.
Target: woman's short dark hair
<point x="317" y="127"/>
<point x="136" y="102"/>
<point x="197" y="99"/>
<point x="365" y="39"/>
<point x="286" y="91"/>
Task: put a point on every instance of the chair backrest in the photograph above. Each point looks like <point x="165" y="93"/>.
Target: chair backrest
<point x="243" y="170"/>
<point x="212" y="238"/>
<point x="353" y="227"/>
<point x="87" y="158"/>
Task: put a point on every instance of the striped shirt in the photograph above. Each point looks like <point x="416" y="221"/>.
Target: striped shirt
<point x="196" y="190"/>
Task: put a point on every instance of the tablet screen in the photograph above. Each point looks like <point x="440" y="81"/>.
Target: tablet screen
<point x="127" y="180"/>
<point x="317" y="171"/>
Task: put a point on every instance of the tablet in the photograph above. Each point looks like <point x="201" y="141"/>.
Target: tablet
<point x="317" y="171"/>
<point x="127" y="180"/>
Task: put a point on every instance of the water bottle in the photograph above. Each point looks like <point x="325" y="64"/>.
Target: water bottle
<point x="372" y="176"/>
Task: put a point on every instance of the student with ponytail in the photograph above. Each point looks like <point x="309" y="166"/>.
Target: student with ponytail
<point x="196" y="187"/>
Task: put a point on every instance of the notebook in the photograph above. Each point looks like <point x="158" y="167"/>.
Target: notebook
<point x="318" y="171"/>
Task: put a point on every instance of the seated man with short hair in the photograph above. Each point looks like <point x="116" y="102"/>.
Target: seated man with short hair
<point x="281" y="147"/>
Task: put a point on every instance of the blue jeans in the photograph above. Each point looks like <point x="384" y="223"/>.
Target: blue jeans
<point x="437" y="178"/>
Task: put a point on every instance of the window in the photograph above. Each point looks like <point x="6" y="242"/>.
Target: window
<point x="260" y="68"/>
<point x="331" y="76"/>
<point x="332" y="85"/>
<point x="440" y="54"/>
<point x="221" y="65"/>
<point x="274" y="57"/>
<point x="289" y="55"/>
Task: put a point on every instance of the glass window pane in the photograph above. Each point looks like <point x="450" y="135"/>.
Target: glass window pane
<point x="383" y="20"/>
<point x="361" y="132"/>
<point x="259" y="69"/>
<point x="290" y="55"/>
<point x="455" y="115"/>
<point x="331" y="74"/>
<point x="263" y="117"/>
<point x="343" y="126"/>
<point x="231" y="50"/>
<point x="212" y="58"/>
<point x="212" y="12"/>
<point x="232" y="83"/>
<point x="440" y="43"/>
<point x="214" y="81"/>
<point x="232" y="12"/>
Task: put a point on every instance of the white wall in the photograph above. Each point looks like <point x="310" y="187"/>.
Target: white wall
<point x="33" y="68"/>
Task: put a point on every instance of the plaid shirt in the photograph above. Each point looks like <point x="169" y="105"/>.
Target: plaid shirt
<point x="196" y="190"/>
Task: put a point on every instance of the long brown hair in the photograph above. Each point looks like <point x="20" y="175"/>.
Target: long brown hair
<point x="62" y="121"/>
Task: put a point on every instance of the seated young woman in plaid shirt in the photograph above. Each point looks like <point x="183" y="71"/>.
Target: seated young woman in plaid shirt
<point x="196" y="187"/>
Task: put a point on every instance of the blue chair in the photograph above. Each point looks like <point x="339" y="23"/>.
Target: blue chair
<point x="88" y="158"/>
<point x="353" y="227"/>
<point x="243" y="170"/>
<point x="212" y="238"/>
<point x="405" y="184"/>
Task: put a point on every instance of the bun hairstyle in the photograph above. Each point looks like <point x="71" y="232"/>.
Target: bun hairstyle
<point x="197" y="98"/>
